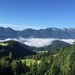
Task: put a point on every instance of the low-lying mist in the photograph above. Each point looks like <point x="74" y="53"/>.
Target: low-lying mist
<point x="38" y="42"/>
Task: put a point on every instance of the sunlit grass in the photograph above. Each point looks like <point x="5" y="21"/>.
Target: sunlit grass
<point x="29" y="61"/>
<point x="3" y="44"/>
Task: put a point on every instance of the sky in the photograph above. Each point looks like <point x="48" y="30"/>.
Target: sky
<point x="37" y="14"/>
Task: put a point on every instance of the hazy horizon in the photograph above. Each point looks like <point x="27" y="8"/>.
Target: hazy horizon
<point x="15" y="27"/>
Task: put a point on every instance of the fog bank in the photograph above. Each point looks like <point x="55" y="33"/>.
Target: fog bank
<point x="38" y="42"/>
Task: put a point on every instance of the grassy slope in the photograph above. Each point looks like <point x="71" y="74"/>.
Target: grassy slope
<point x="29" y="61"/>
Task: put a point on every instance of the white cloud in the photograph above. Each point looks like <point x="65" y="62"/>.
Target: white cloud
<point x="70" y="41"/>
<point x="39" y="42"/>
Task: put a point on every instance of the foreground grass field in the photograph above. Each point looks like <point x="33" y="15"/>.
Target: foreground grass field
<point x="29" y="61"/>
<point x="3" y="44"/>
<point x="41" y="51"/>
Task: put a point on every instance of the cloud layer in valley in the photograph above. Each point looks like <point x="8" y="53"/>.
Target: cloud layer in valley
<point x="38" y="42"/>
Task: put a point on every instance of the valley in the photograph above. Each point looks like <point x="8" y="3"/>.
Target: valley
<point x="25" y="60"/>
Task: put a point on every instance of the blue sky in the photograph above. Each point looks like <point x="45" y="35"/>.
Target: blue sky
<point x="22" y="14"/>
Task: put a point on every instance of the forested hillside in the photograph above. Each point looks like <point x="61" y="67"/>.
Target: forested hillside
<point x="58" y="62"/>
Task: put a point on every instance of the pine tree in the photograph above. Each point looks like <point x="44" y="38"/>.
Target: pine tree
<point x="10" y="56"/>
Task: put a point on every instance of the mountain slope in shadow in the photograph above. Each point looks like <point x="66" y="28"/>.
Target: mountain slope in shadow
<point x="18" y="49"/>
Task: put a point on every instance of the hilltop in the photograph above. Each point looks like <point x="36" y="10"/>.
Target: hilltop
<point x="16" y="48"/>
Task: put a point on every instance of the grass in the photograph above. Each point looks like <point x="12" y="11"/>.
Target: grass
<point x="3" y="44"/>
<point x="41" y="51"/>
<point x="55" y="55"/>
<point x="29" y="61"/>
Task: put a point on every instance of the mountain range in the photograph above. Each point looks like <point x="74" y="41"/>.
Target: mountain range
<point x="66" y="33"/>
